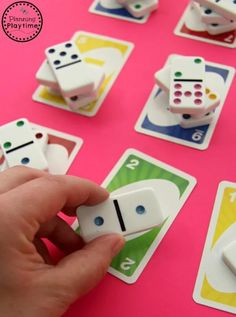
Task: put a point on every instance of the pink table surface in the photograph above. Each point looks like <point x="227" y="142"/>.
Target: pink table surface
<point x="166" y="285"/>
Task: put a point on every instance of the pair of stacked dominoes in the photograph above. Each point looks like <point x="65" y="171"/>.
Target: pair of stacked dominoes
<point x="218" y="16"/>
<point x="21" y="145"/>
<point x="139" y="8"/>
<point x="190" y="98"/>
<point x="65" y="73"/>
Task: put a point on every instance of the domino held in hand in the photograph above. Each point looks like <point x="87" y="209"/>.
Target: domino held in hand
<point x="125" y="214"/>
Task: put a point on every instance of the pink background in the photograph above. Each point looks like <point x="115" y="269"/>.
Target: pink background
<point x="166" y="285"/>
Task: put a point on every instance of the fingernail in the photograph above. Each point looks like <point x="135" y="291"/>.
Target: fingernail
<point x="117" y="242"/>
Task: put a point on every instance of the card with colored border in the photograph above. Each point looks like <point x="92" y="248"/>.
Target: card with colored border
<point x="108" y="53"/>
<point x="190" y="26"/>
<point x="156" y="120"/>
<point x="60" y="152"/>
<point x="111" y="8"/>
<point x="216" y="283"/>
<point x="135" y="170"/>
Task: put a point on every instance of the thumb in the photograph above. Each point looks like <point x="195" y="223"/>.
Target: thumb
<point x="82" y="270"/>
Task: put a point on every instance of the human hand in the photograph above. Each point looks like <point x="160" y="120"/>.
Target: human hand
<point x="30" y="285"/>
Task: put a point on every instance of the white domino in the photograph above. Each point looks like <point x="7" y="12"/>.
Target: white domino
<point x="46" y="77"/>
<point x="139" y="8"/>
<point x="212" y="98"/>
<point x="187" y="121"/>
<point x="187" y="85"/>
<point x="20" y="146"/>
<point x="229" y="256"/>
<point x="215" y="29"/>
<point x="209" y="16"/>
<point x="70" y="70"/>
<point x="226" y="8"/>
<point x="125" y="214"/>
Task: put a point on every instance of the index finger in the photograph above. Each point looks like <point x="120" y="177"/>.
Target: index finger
<point x="39" y="200"/>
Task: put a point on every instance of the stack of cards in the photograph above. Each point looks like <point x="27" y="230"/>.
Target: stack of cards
<point x="65" y="73"/>
<point x="218" y="16"/>
<point x="139" y="8"/>
<point x="189" y="97"/>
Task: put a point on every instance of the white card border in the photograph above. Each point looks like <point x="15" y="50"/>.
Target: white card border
<point x="210" y="234"/>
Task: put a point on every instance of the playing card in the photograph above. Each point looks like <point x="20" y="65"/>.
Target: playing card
<point x="133" y="171"/>
<point x="216" y="283"/>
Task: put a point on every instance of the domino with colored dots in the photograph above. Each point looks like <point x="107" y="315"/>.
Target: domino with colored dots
<point x="187" y="85"/>
<point x="229" y="256"/>
<point x="20" y="145"/>
<point x="139" y="8"/>
<point x="225" y="8"/>
<point x="70" y="70"/>
<point x="127" y="213"/>
<point x="212" y="98"/>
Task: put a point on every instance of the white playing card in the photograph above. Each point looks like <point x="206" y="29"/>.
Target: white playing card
<point x="126" y="213"/>
<point x="20" y="146"/>
<point x="70" y="70"/>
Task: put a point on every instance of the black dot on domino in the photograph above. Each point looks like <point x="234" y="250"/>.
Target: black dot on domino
<point x="74" y="56"/>
<point x="56" y="62"/>
<point x="68" y="45"/>
<point x="99" y="221"/>
<point x="62" y="53"/>
<point x="51" y="50"/>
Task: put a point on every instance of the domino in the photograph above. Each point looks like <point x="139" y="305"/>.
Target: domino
<point x="229" y="256"/>
<point x="46" y="77"/>
<point x="226" y="8"/>
<point x="187" y="121"/>
<point x="20" y="146"/>
<point x="187" y="85"/>
<point x="70" y="70"/>
<point x="141" y="7"/>
<point x="128" y="213"/>
<point x="212" y="98"/>
<point x="215" y="29"/>
<point x="209" y="16"/>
